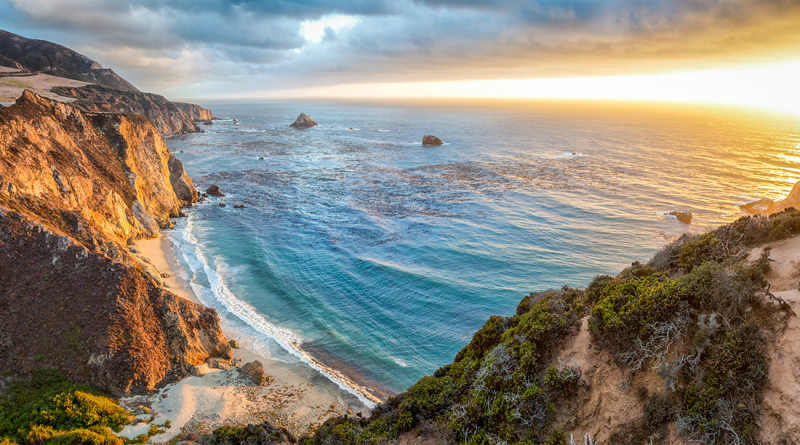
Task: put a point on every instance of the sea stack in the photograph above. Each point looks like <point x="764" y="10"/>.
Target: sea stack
<point x="430" y="139"/>
<point x="303" y="121"/>
<point x="213" y="190"/>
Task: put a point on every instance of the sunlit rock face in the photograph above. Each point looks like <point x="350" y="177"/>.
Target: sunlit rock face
<point x="767" y="206"/>
<point x="111" y="171"/>
<point x="75" y="190"/>
<point x="196" y="112"/>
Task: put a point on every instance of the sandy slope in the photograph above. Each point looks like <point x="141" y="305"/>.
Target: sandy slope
<point x="781" y="415"/>
<point x="296" y="398"/>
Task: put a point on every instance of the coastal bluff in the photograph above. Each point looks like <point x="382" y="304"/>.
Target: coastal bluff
<point x="64" y="75"/>
<point x="76" y="189"/>
<point x="168" y="117"/>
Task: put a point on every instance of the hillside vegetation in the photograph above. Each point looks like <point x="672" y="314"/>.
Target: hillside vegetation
<point x="50" y="409"/>
<point x="696" y="315"/>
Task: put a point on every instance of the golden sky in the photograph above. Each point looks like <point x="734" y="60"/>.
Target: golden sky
<point x="740" y="51"/>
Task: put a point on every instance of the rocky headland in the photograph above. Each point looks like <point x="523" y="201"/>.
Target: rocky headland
<point x="50" y="58"/>
<point x="59" y="72"/>
<point x="76" y="189"/>
<point x="196" y="112"/>
<point x="167" y="117"/>
<point x="767" y="206"/>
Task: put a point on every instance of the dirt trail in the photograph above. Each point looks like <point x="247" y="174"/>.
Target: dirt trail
<point x="780" y="417"/>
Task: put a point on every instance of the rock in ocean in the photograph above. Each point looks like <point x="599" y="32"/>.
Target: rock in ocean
<point x="684" y="217"/>
<point x="303" y="121"/>
<point x="213" y="190"/>
<point x="430" y="139"/>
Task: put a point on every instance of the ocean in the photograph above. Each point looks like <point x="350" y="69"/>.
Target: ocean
<point x="373" y="259"/>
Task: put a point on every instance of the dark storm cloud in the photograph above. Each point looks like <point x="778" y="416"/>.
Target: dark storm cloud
<point x="189" y="45"/>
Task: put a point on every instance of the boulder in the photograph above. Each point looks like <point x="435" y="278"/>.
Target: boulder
<point x="234" y="344"/>
<point x="430" y="139"/>
<point x="208" y="122"/>
<point x="303" y="121"/>
<point x="254" y="370"/>
<point x="222" y="204"/>
<point x="213" y="190"/>
<point x="684" y="217"/>
<point x="219" y="363"/>
<point x="228" y="353"/>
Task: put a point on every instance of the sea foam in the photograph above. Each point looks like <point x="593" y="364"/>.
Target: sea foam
<point x="190" y="250"/>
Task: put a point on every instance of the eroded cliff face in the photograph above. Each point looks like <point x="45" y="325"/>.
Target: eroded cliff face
<point x="99" y="320"/>
<point x="196" y="112"/>
<point x="166" y="116"/>
<point x="75" y="190"/>
<point x="98" y="173"/>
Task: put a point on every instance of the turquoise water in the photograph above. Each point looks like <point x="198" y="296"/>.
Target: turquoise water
<point x="374" y="259"/>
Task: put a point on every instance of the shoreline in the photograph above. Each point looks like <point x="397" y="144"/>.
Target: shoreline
<point x="295" y="398"/>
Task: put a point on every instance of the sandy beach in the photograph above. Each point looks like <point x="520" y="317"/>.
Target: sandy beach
<point x="296" y="397"/>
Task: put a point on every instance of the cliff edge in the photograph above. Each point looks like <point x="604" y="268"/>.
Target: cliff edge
<point x="75" y="190"/>
<point x="166" y="116"/>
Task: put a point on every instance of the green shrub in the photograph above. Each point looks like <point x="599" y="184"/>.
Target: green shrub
<point x="627" y="306"/>
<point x="696" y="314"/>
<point x="720" y="287"/>
<point x="485" y="339"/>
<point x="38" y="434"/>
<point x="48" y="405"/>
<point x="82" y="437"/>
<point x="784" y="225"/>
<point x="696" y="252"/>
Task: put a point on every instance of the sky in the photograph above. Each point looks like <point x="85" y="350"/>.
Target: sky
<point x="734" y="50"/>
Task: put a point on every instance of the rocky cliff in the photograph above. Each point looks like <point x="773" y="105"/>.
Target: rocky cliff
<point x="50" y="58"/>
<point x="75" y="189"/>
<point x="196" y="112"/>
<point x="767" y="206"/>
<point x="166" y="116"/>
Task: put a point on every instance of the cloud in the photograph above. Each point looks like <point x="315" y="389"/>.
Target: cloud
<point x="188" y="47"/>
